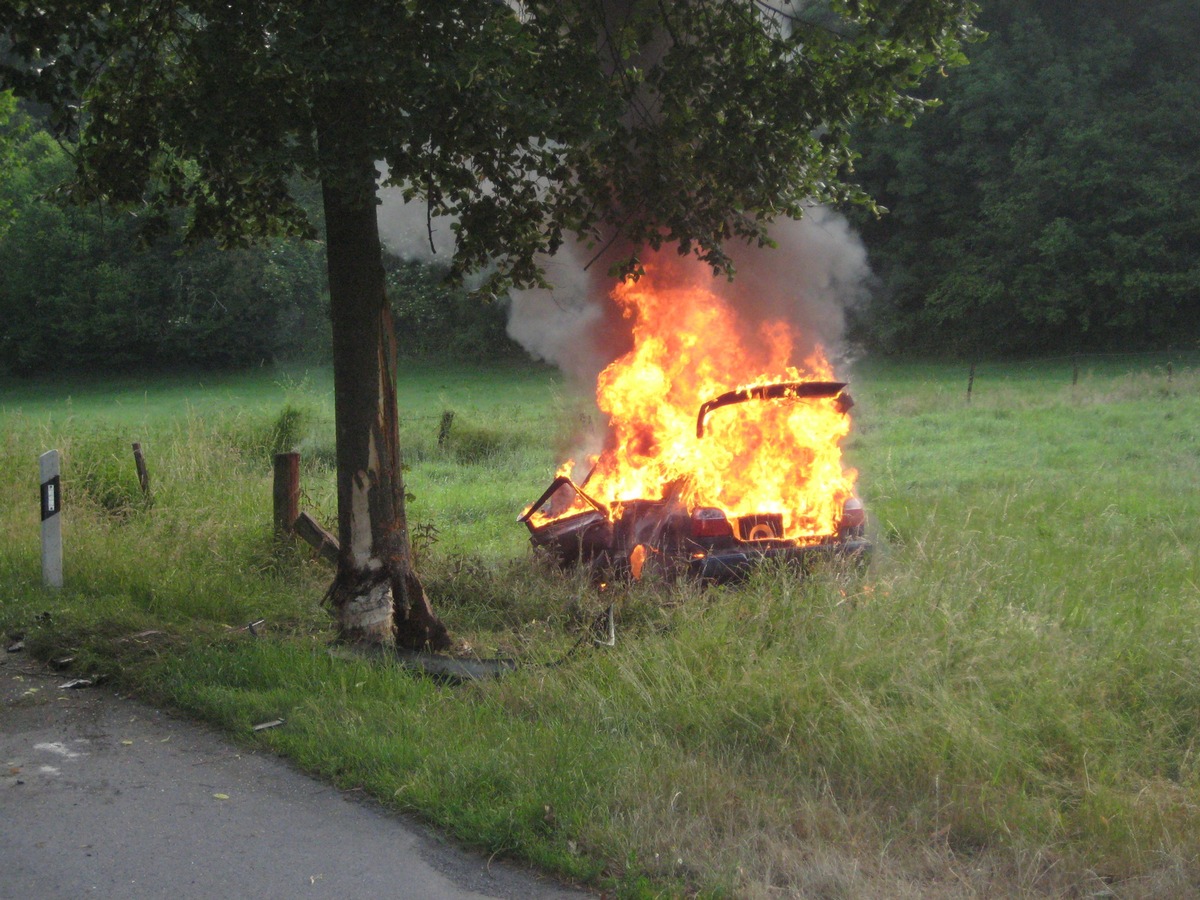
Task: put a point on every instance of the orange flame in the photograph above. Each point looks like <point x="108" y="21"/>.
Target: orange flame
<point x="771" y="456"/>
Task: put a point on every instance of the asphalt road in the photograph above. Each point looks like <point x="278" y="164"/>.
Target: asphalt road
<point x="103" y="796"/>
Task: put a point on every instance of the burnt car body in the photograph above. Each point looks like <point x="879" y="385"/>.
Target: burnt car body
<point x="666" y="535"/>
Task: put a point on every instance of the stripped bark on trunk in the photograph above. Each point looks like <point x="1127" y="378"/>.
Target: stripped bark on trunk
<point x="376" y="595"/>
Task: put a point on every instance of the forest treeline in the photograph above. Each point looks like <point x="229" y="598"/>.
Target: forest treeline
<point x="88" y="288"/>
<point x="1051" y="202"/>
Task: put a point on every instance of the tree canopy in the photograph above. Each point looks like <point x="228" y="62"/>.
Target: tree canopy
<point x="686" y="122"/>
<point x="1053" y="201"/>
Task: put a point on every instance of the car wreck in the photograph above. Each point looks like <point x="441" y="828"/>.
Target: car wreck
<point x="669" y="535"/>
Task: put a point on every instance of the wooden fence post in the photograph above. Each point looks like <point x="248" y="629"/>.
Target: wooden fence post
<point x="52" y="547"/>
<point x="143" y="474"/>
<point x="444" y="428"/>
<point x="971" y="382"/>
<point x="287" y="492"/>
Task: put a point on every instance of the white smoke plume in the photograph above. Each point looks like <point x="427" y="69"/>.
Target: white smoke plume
<point x="816" y="272"/>
<point x="408" y="231"/>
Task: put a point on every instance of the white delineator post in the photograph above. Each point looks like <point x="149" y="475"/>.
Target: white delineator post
<point x="52" y="550"/>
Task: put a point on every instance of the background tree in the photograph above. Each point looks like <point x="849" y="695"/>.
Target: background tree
<point x="437" y="318"/>
<point x="10" y="132"/>
<point x="78" y="292"/>
<point x="691" y="122"/>
<point x="1053" y="201"/>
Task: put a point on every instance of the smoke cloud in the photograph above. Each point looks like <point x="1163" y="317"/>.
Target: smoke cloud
<point x="817" y="271"/>
<point x="408" y="231"/>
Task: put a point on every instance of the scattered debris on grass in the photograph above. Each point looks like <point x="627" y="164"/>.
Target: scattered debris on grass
<point x="76" y="683"/>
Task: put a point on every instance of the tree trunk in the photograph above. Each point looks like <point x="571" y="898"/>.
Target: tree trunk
<point x="376" y="595"/>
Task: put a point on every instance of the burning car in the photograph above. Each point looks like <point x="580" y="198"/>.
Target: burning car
<point x="690" y="527"/>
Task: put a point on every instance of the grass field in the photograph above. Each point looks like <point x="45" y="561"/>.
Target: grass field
<point x="1006" y="702"/>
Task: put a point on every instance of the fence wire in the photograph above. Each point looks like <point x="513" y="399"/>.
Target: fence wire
<point x="1070" y="368"/>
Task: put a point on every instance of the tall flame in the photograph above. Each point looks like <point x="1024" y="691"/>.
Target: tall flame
<point x="690" y="345"/>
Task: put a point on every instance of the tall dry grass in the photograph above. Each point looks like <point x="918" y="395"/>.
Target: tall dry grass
<point x="1005" y="703"/>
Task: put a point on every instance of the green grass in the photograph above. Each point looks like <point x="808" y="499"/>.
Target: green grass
<point x="1006" y="702"/>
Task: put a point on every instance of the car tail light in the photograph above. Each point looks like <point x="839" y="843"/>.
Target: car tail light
<point x="853" y="514"/>
<point x="708" y="522"/>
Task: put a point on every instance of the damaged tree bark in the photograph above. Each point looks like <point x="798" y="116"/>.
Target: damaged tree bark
<point x="376" y="595"/>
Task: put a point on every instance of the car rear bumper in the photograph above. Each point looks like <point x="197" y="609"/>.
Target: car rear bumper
<point x="729" y="565"/>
